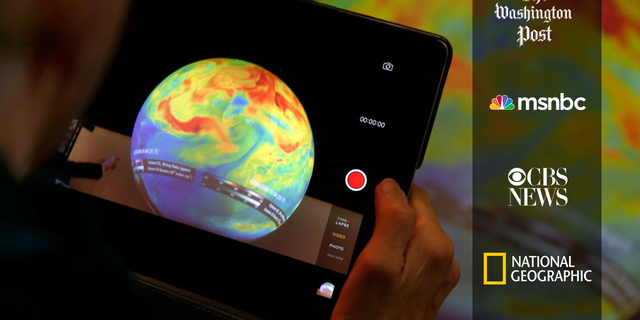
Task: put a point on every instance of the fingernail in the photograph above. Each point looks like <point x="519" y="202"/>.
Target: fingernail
<point x="390" y="188"/>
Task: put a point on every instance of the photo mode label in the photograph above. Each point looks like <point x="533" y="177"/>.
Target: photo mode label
<point x="538" y="187"/>
<point x="561" y="103"/>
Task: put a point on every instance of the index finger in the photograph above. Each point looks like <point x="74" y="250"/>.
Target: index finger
<point x="420" y="200"/>
<point x="395" y="218"/>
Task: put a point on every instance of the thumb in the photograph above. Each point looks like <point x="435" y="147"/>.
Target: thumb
<point x="395" y="218"/>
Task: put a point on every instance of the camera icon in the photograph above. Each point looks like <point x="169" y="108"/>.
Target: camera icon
<point x="387" y="66"/>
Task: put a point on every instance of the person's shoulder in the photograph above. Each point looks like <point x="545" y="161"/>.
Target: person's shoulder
<point x="54" y="258"/>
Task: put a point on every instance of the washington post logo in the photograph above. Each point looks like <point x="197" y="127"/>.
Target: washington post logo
<point x="538" y="187"/>
<point x="562" y="103"/>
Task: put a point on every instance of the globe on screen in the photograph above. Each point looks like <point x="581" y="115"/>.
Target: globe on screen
<point x="223" y="145"/>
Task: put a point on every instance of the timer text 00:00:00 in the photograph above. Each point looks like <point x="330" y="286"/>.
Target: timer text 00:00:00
<point x="372" y="122"/>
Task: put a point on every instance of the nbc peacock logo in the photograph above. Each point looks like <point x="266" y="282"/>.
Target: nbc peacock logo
<point x="502" y="103"/>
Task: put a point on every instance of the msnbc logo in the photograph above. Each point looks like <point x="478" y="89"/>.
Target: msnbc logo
<point x="502" y="103"/>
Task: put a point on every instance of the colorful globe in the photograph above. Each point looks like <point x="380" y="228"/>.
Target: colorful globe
<point x="223" y="145"/>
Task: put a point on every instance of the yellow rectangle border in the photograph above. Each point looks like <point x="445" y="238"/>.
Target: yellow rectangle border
<point x="504" y="268"/>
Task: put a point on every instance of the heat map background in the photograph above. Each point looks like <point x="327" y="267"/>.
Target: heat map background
<point x="447" y="170"/>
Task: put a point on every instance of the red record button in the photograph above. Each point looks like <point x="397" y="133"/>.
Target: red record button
<point x="356" y="180"/>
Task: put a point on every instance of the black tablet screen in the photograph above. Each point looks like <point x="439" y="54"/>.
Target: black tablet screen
<point x="267" y="126"/>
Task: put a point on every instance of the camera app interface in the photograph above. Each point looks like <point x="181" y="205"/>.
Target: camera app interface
<point x="273" y="131"/>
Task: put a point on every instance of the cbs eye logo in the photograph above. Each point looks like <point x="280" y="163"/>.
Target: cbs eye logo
<point x="517" y="177"/>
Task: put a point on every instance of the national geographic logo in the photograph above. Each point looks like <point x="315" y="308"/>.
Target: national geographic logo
<point x="531" y="269"/>
<point x="562" y="103"/>
<point x="495" y="268"/>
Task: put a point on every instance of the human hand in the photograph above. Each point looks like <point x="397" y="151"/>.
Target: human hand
<point x="110" y="164"/>
<point x="407" y="269"/>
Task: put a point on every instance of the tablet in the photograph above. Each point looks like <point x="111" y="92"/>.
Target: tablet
<point x="250" y="136"/>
